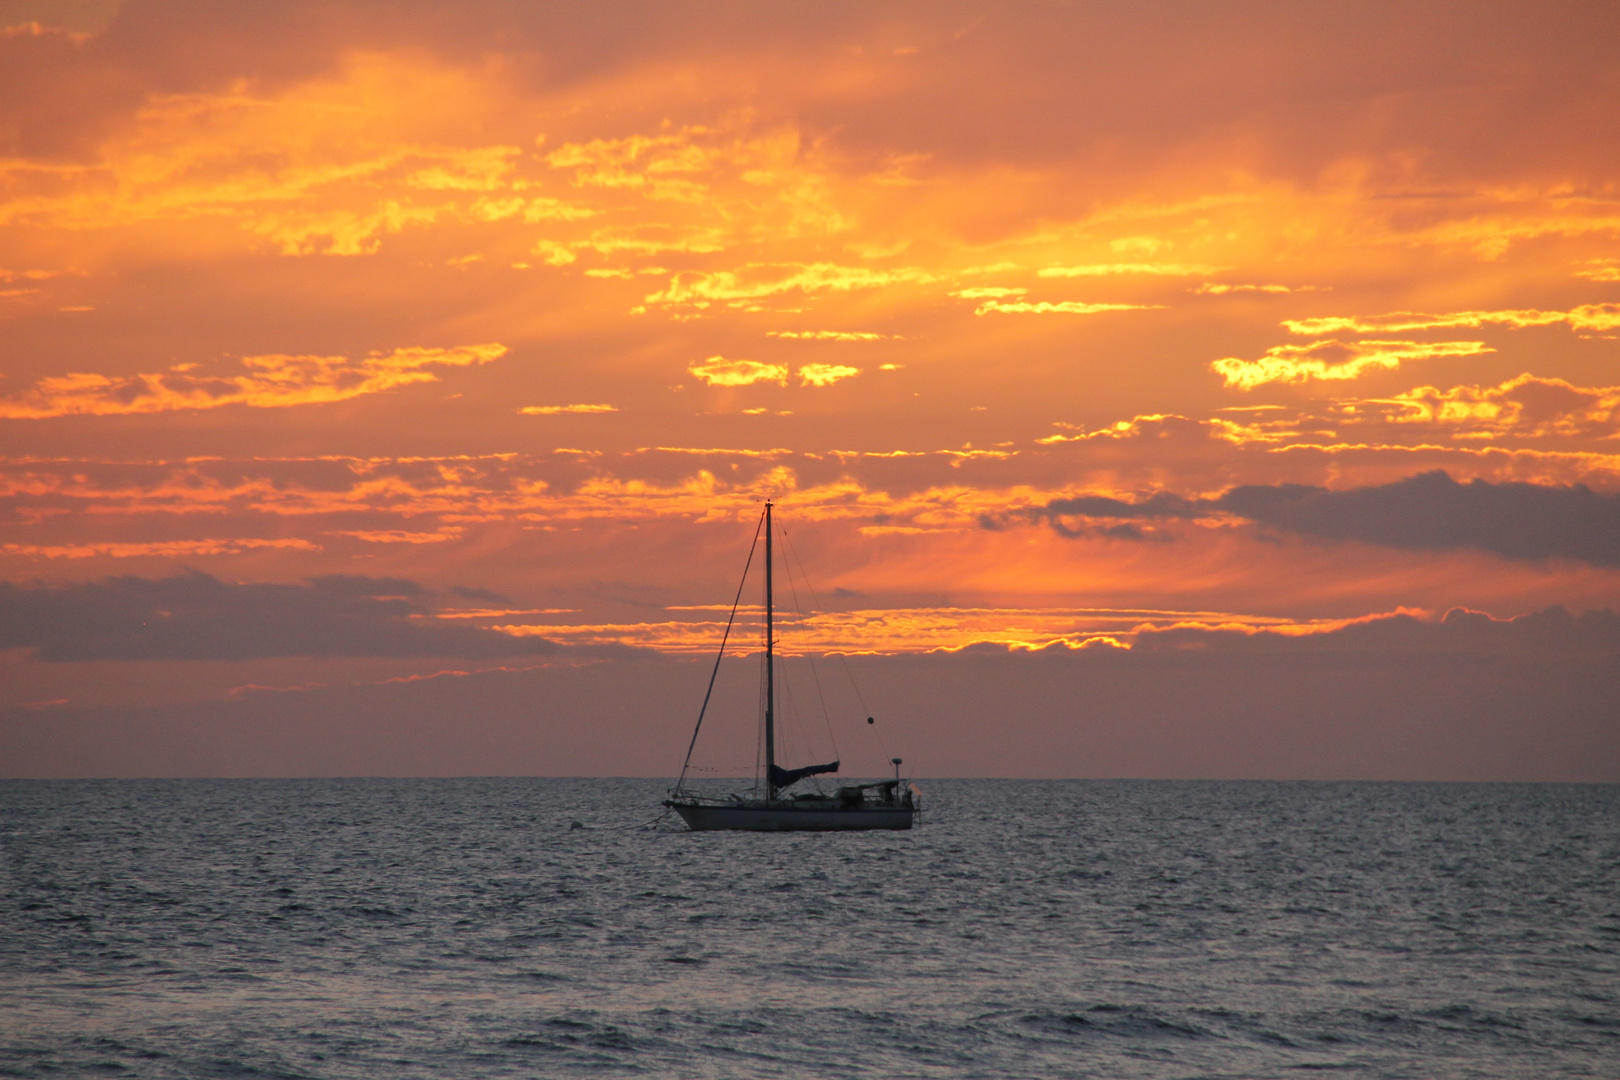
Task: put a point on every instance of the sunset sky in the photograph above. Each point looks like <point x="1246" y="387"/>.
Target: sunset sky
<point x="1185" y="390"/>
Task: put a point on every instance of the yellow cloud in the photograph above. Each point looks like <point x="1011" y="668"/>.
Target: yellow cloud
<point x="1525" y="407"/>
<point x="653" y="240"/>
<point x="552" y="410"/>
<point x="543" y="208"/>
<point x="830" y="335"/>
<point x="1601" y="270"/>
<point x="1072" y="307"/>
<point x="1511" y="218"/>
<point x="770" y="279"/>
<point x="718" y="371"/>
<point x="273" y="381"/>
<point x="1585" y="317"/>
<point x="341" y="232"/>
<point x="1332" y="360"/>
<point x="1215" y="288"/>
<point x="553" y="253"/>
<point x="1147" y="244"/>
<point x="1104" y="269"/>
<point x="661" y="165"/>
<point x="482" y="168"/>
<point x="987" y="292"/>
<point x="894" y="630"/>
<point x="825" y="374"/>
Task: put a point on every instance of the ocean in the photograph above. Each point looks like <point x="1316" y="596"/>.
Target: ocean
<point x="462" y="928"/>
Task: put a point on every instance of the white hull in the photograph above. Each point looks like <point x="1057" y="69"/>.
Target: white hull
<point x="787" y="817"/>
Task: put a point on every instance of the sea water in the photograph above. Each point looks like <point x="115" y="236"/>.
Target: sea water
<point x="463" y="928"/>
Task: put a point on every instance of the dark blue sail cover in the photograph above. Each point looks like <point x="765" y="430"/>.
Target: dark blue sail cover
<point x="782" y="778"/>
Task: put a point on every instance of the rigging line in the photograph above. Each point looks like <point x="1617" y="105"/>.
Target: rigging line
<point x="815" y="675"/>
<point x="792" y="736"/>
<point x="759" y="728"/>
<point x="713" y="674"/>
<point x="843" y="659"/>
<point x="809" y="656"/>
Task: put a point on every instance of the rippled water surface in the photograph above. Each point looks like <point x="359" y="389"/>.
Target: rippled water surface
<point x="461" y="928"/>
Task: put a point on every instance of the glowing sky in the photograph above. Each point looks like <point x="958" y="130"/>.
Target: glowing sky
<point x="355" y="350"/>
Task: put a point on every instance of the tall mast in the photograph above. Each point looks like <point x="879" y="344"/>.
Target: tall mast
<point x="770" y="668"/>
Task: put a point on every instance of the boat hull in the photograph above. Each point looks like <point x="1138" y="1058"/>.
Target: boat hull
<point x="701" y="817"/>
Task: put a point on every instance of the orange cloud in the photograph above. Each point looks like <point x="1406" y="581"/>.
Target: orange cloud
<point x="401" y="536"/>
<point x="162" y="549"/>
<point x="1511" y="217"/>
<point x="273" y="381"/>
<point x="329" y="165"/>
<point x="1334" y="360"/>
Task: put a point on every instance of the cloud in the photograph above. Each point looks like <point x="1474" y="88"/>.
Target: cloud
<point x="894" y="630"/>
<point x="1332" y="360"/>
<point x="825" y="374"/>
<point x="1524" y="407"/>
<point x="34" y="28"/>
<point x="160" y="549"/>
<point x="327" y="165"/>
<point x="652" y="239"/>
<point x="1458" y="631"/>
<point x="759" y="280"/>
<point x="718" y="371"/>
<point x="1601" y="270"/>
<point x="1216" y="288"/>
<point x="1586" y="317"/>
<point x="1432" y="512"/>
<point x="988" y="292"/>
<point x="468" y="592"/>
<point x="1427" y="512"/>
<point x="1069" y="307"/>
<point x="552" y="410"/>
<point x="1106" y="269"/>
<point x="362" y="585"/>
<point x="401" y="536"/>
<point x="667" y="167"/>
<point x="274" y="381"/>
<point x="193" y="616"/>
<point x="1159" y="504"/>
<point x="830" y="335"/>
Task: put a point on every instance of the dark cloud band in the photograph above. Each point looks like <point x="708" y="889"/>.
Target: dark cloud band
<point x="192" y="616"/>
<point x="1427" y="512"/>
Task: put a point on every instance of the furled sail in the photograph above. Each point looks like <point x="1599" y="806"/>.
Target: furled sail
<point x="782" y="778"/>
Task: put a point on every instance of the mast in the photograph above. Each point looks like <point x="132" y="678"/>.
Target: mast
<point x="770" y="668"/>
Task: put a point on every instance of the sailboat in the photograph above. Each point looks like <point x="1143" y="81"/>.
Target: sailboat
<point x="769" y="807"/>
